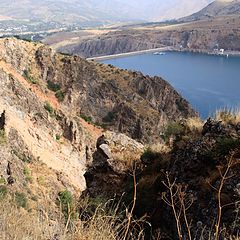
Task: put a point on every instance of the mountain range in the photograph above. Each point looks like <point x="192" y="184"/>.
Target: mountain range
<point x="215" y="9"/>
<point x="95" y="11"/>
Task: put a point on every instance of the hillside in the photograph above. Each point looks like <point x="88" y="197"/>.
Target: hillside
<point x="74" y="12"/>
<point x="65" y="176"/>
<point x="215" y="9"/>
<point x="202" y="36"/>
<point x="93" y="12"/>
<point x="49" y="107"/>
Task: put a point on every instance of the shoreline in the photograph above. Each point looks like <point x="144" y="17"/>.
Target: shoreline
<point x="119" y="55"/>
<point x="227" y="53"/>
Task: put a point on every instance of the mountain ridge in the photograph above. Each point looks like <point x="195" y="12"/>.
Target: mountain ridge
<point x="215" y="9"/>
<point x="95" y="12"/>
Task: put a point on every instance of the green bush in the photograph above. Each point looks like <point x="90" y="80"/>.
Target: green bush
<point x="53" y="86"/>
<point x="174" y="129"/>
<point x="181" y="105"/>
<point x="3" y="192"/>
<point x="22" y="156"/>
<point x="27" y="76"/>
<point x="66" y="203"/>
<point x="109" y="117"/>
<point x="27" y="174"/>
<point x="2" y="180"/>
<point x="26" y="171"/>
<point x="21" y="199"/>
<point x="226" y="144"/>
<point x="148" y="154"/>
<point x="58" y="137"/>
<point x="3" y="138"/>
<point x="59" y="95"/>
<point x="48" y="107"/>
<point x="86" y="118"/>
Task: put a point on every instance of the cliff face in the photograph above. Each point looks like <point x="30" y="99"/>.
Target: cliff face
<point x="195" y="36"/>
<point x="48" y="146"/>
<point x="119" y="100"/>
<point x="47" y="101"/>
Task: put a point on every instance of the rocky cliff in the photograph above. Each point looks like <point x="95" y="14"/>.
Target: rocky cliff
<point x="219" y="32"/>
<point x="50" y="102"/>
<point x="52" y="150"/>
<point x="119" y="100"/>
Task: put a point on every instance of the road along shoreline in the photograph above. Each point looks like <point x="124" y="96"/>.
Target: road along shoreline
<point x="101" y="58"/>
<point x="165" y="49"/>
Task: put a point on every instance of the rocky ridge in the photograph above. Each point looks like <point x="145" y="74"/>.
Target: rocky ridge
<point x="203" y="36"/>
<point x="119" y="100"/>
<point x="49" y="143"/>
<point x="41" y="130"/>
<point x="215" y="9"/>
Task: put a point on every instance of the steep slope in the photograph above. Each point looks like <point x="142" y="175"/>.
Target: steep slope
<point x="34" y="131"/>
<point x="45" y="143"/>
<point x="215" y="9"/>
<point x="188" y="183"/>
<point x="68" y="12"/>
<point x="97" y="12"/>
<point x="45" y="150"/>
<point x="194" y="36"/>
<point x="124" y="101"/>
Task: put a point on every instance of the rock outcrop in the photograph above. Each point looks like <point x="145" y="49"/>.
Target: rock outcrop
<point x="112" y="161"/>
<point x="119" y="100"/>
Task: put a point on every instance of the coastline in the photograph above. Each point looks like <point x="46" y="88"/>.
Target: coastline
<point x="226" y="53"/>
<point x="107" y="57"/>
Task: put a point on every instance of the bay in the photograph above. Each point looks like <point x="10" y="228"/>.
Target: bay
<point x="208" y="82"/>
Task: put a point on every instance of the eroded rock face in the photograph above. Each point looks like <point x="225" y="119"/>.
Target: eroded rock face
<point x="107" y="174"/>
<point x="124" y="101"/>
<point x="192" y="37"/>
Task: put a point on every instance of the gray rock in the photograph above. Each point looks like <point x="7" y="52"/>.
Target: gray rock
<point x="106" y="150"/>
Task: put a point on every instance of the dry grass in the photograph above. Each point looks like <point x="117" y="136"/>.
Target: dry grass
<point x="194" y="124"/>
<point x="17" y="223"/>
<point x="21" y="224"/>
<point x="159" y="148"/>
<point x="228" y="116"/>
<point x="126" y="158"/>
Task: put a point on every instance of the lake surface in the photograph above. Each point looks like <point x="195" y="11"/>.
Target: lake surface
<point x="207" y="82"/>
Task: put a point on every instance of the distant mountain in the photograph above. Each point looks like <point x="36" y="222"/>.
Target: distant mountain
<point x="158" y="10"/>
<point x="215" y="9"/>
<point x="69" y="11"/>
<point x="97" y="12"/>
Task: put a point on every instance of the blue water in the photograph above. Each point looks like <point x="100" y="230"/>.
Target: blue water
<point x="207" y="82"/>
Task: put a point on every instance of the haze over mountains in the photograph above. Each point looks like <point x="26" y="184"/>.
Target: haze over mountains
<point x="216" y="9"/>
<point x="95" y="11"/>
<point x="158" y="10"/>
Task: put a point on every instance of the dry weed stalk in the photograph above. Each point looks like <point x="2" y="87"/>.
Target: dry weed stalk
<point x="130" y="214"/>
<point x="179" y="203"/>
<point x="223" y="178"/>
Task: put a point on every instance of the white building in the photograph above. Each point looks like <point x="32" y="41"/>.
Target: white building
<point x="221" y="51"/>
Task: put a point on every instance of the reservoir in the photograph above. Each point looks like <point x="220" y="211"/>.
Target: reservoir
<point x="208" y="82"/>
